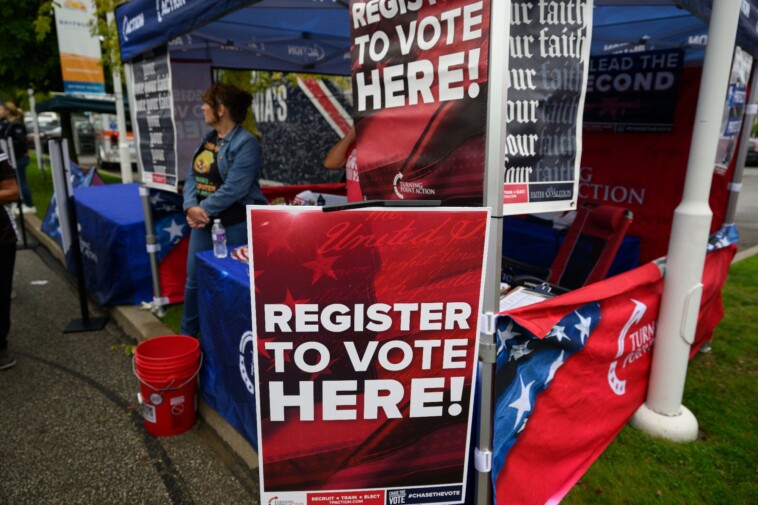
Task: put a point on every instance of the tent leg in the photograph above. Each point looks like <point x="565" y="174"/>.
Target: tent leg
<point x="152" y="251"/>
<point x="663" y="415"/>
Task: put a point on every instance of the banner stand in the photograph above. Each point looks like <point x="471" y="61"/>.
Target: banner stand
<point x="59" y="159"/>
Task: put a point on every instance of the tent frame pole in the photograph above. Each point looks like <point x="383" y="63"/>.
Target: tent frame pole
<point x="494" y="172"/>
<point x="37" y="141"/>
<point x="123" y="142"/>
<point x="152" y="244"/>
<point x="663" y="415"/>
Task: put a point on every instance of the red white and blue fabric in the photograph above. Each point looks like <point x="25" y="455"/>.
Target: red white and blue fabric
<point x="80" y="178"/>
<point x="572" y="370"/>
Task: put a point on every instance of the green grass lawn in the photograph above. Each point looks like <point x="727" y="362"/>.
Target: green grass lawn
<point x="41" y="183"/>
<point x="722" y="388"/>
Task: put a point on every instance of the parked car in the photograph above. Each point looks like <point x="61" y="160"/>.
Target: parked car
<point x="49" y="128"/>
<point x="107" y="138"/>
<point x="752" y="155"/>
<point x="84" y="136"/>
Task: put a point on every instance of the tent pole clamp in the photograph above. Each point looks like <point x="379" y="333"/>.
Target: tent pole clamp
<point x="482" y="460"/>
<point x="487" y="345"/>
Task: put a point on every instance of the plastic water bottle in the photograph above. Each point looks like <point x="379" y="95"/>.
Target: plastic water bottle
<point x="219" y="239"/>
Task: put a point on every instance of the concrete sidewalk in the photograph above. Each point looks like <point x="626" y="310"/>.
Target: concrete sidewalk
<point x="71" y="426"/>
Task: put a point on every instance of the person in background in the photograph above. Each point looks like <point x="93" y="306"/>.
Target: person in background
<point x="344" y="155"/>
<point x="8" y="195"/>
<point x="16" y="134"/>
<point x="3" y="120"/>
<point x="224" y="178"/>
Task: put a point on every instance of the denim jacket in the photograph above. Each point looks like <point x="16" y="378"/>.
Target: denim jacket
<point x="239" y="163"/>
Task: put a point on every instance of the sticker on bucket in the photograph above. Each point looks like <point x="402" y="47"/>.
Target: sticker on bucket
<point x="148" y="412"/>
<point x="177" y="405"/>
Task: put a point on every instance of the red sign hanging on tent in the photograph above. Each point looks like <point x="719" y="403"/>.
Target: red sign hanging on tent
<point x="366" y="335"/>
<point x="420" y="96"/>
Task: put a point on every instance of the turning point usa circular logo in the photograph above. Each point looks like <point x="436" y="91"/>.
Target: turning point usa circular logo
<point x="247" y="352"/>
<point x="410" y="188"/>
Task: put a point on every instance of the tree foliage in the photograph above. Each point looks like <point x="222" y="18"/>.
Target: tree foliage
<point x="27" y="60"/>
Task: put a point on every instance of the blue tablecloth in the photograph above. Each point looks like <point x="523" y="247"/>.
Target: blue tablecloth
<point x="116" y="264"/>
<point x="536" y="243"/>
<point x="226" y="379"/>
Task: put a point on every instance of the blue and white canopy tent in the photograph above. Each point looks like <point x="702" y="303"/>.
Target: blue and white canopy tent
<point x="281" y="35"/>
<point x="313" y="36"/>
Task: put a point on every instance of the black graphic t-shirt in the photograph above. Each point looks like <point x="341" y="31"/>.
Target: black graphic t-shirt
<point x="208" y="180"/>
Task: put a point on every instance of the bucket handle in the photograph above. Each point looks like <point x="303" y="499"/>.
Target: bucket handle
<point x="199" y="366"/>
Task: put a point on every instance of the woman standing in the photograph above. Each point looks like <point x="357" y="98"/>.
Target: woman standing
<point x="223" y="180"/>
<point x="16" y="134"/>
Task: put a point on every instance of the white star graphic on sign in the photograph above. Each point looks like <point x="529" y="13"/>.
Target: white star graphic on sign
<point x="175" y="230"/>
<point x="155" y="198"/>
<point x="583" y="326"/>
<point x="554" y="367"/>
<point x="522" y="404"/>
<point x="518" y="351"/>
<point x="558" y="333"/>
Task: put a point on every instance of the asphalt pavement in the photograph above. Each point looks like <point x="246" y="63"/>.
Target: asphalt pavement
<point x="70" y="428"/>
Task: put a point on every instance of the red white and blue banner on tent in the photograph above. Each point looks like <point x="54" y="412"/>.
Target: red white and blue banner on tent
<point x="420" y="99"/>
<point x="572" y="370"/>
<point x="366" y="330"/>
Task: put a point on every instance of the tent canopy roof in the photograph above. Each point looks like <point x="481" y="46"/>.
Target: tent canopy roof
<point x="71" y="103"/>
<point x="284" y="35"/>
<point x="314" y="35"/>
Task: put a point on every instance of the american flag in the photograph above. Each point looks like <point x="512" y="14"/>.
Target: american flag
<point x="526" y="364"/>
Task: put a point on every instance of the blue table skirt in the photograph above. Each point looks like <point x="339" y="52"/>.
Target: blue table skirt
<point x="226" y="378"/>
<point x="116" y="264"/>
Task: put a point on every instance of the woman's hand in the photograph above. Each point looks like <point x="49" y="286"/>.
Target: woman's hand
<point x="197" y="217"/>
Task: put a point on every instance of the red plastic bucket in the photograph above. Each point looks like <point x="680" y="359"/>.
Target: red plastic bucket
<point x="167" y="369"/>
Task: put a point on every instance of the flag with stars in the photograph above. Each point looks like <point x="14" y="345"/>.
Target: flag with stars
<point x="80" y="178"/>
<point x="570" y="372"/>
<point x="366" y="335"/>
<point x="172" y="234"/>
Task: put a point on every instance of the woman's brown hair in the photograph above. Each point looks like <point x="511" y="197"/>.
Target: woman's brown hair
<point x="236" y="101"/>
